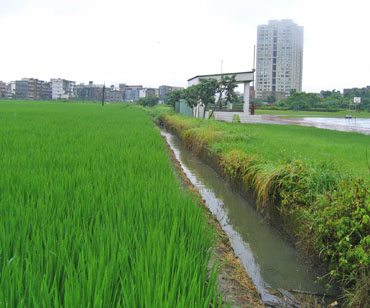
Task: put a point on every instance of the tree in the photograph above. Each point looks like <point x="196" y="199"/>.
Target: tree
<point x="191" y="95"/>
<point x="174" y="96"/>
<point x="335" y="100"/>
<point x="226" y="87"/>
<point x="364" y="93"/>
<point x="325" y="94"/>
<point x="148" y="101"/>
<point x="271" y="99"/>
<point x="301" y="101"/>
<point x="207" y="91"/>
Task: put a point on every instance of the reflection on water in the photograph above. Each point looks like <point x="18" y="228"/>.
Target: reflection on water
<point x="360" y="125"/>
<point x="354" y="122"/>
<point x="267" y="257"/>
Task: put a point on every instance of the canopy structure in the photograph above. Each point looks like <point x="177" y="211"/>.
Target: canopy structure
<point x="242" y="77"/>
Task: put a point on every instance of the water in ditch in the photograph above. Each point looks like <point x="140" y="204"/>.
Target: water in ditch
<point x="270" y="260"/>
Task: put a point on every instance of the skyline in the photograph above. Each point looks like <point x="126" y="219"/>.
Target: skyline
<point x="168" y="42"/>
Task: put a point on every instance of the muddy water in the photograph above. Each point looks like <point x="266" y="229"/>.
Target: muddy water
<point x="359" y="125"/>
<point x="269" y="259"/>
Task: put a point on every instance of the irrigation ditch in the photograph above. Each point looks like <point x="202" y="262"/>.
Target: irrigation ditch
<point x="258" y="245"/>
<point x="234" y="283"/>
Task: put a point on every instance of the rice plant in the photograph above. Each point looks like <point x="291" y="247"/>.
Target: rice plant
<point x="92" y="215"/>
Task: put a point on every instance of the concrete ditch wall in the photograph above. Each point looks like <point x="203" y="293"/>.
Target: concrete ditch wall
<point x="227" y="116"/>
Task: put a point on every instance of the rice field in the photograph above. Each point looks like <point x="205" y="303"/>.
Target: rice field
<point x="92" y="215"/>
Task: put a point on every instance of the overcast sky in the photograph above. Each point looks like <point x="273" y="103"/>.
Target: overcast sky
<point x="155" y="42"/>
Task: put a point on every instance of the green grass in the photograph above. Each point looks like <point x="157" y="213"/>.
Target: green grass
<point x="282" y="143"/>
<point x="317" y="179"/>
<point x="279" y="144"/>
<point x="292" y="113"/>
<point x="92" y="215"/>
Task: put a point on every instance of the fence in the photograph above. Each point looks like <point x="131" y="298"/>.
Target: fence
<point x="183" y="108"/>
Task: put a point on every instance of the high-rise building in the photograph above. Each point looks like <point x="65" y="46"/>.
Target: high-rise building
<point x="279" y="59"/>
<point x="2" y="89"/>
<point x="164" y="90"/>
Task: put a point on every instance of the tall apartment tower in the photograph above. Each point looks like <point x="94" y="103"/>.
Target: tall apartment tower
<point x="279" y="58"/>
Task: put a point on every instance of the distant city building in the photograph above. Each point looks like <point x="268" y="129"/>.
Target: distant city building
<point x="3" y="89"/>
<point x="89" y="92"/>
<point x="30" y="88"/>
<point x="164" y="90"/>
<point x="82" y="92"/>
<point x="22" y="90"/>
<point x="9" y="90"/>
<point x="62" y="89"/>
<point x="45" y="92"/>
<point x="150" y="92"/>
<point x="354" y="91"/>
<point x="142" y="93"/>
<point x="132" y="93"/>
<point x="135" y="87"/>
<point x="279" y="59"/>
<point x="112" y="95"/>
<point x="57" y="88"/>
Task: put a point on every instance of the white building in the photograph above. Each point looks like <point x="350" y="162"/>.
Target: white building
<point x="142" y="93"/>
<point x="279" y="58"/>
<point x="62" y="89"/>
<point x="242" y="77"/>
<point x="12" y="88"/>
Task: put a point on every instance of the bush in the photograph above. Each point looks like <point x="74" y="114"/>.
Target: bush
<point x="236" y="118"/>
<point x="341" y="233"/>
<point x="341" y="224"/>
<point x="148" y="101"/>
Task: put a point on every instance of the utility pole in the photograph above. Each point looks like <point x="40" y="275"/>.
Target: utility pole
<point x="254" y="63"/>
<point x="102" y="99"/>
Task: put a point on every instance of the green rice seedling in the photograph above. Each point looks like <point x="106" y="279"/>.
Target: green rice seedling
<point x="92" y="215"/>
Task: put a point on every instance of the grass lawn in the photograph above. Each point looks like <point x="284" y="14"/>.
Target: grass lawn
<point x="284" y="143"/>
<point x="280" y="144"/>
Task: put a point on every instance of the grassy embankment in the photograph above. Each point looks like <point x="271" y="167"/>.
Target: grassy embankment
<point x="91" y="213"/>
<point x="319" y="179"/>
<point x="336" y="114"/>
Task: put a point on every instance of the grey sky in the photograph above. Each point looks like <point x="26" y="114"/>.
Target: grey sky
<point x="154" y="42"/>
